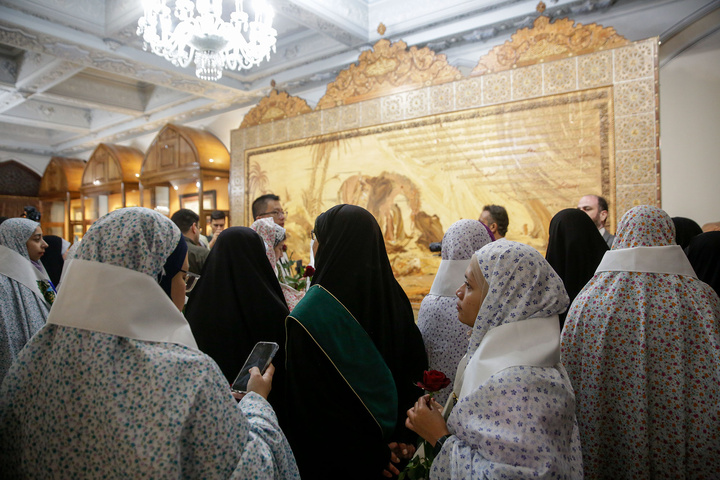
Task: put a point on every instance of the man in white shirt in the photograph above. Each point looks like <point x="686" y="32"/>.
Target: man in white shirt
<point x="597" y="209"/>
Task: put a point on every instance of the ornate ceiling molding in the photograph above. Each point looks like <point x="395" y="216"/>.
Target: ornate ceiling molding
<point x="276" y="106"/>
<point x="386" y="68"/>
<point x="546" y="41"/>
<point x="90" y="57"/>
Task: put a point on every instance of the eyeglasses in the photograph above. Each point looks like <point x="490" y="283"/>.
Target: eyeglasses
<point x="191" y="280"/>
<point x="274" y="213"/>
<point x="312" y="235"/>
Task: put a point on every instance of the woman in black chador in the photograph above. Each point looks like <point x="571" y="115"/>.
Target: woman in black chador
<point x="237" y="303"/>
<point x="353" y="354"/>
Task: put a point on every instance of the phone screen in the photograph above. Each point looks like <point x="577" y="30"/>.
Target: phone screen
<point x="261" y="356"/>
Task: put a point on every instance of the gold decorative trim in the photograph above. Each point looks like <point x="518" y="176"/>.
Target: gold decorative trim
<point x="547" y="41"/>
<point x="387" y="68"/>
<point x="276" y="106"/>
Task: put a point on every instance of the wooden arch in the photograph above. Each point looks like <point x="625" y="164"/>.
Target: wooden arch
<point x="62" y="176"/>
<point x="111" y="168"/>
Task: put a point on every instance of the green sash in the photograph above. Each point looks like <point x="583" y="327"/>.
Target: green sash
<point x="351" y="351"/>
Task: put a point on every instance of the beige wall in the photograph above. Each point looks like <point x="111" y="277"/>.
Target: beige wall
<point x="690" y="131"/>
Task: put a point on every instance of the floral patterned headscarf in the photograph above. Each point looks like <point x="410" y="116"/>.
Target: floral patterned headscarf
<point x="462" y="239"/>
<point x="644" y="226"/>
<point x="522" y="285"/>
<point x="136" y="238"/>
<point x="15" y="232"/>
<point x="272" y="234"/>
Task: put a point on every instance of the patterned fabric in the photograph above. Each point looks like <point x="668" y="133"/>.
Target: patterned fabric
<point x="292" y="296"/>
<point x="127" y="408"/>
<point x="124" y="408"/>
<point x="272" y="234"/>
<point x="522" y="285"/>
<point x="446" y="339"/>
<point x="15" y="232"/>
<point x="269" y="231"/>
<point x="22" y="311"/>
<point x="644" y="226"/>
<point x="642" y="351"/>
<point x="521" y="422"/>
<point x="136" y="238"/>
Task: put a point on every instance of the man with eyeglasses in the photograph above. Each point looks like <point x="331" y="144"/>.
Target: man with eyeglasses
<point x="269" y="206"/>
<point x="187" y="222"/>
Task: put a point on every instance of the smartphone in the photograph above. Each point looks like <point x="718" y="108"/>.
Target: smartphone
<point x="261" y="356"/>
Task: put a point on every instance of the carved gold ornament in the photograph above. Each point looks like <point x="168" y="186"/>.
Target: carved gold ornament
<point x="385" y="69"/>
<point x="276" y="106"/>
<point x="548" y="41"/>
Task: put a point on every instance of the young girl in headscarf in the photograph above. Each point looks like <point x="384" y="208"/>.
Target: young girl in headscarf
<point x="515" y="411"/>
<point x="26" y="292"/>
<point x="446" y="339"/>
<point x="114" y="385"/>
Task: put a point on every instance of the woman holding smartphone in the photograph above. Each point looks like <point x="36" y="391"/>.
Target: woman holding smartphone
<point x="237" y="303"/>
<point x="114" y="385"/>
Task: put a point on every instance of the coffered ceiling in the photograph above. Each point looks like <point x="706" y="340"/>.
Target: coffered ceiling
<point x="73" y="73"/>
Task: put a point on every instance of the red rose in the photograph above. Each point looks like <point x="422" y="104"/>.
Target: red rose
<point x="309" y="271"/>
<point x="433" y="381"/>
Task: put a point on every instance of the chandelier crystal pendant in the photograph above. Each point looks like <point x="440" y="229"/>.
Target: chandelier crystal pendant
<point x="171" y="29"/>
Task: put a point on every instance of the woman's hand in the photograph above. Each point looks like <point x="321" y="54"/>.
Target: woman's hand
<point x="261" y="384"/>
<point x="426" y="419"/>
<point x="398" y="451"/>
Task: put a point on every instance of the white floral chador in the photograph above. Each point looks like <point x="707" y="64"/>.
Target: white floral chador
<point x="114" y="386"/>
<point x="446" y="339"/>
<point x="642" y="347"/>
<point x="23" y="289"/>
<point x="515" y="417"/>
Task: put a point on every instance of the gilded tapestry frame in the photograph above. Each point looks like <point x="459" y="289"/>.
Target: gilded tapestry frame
<point x="515" y="72"/>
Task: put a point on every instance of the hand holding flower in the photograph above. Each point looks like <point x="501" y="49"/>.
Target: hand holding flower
<point x="426" y="419"/>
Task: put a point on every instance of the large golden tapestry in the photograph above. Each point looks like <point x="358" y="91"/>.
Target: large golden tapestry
<point x="535" y="157"/>
<point x="534" y="138"/>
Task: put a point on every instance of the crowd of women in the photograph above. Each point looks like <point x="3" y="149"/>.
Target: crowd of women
<point x="587" y="363"/>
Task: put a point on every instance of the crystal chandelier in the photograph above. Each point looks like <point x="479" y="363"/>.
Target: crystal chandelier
<point x="171" y="29"/>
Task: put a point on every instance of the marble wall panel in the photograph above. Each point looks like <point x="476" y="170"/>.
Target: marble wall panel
<point x="595" y="70"/>
<point x="370" y="112"/>
<point x="442" y="98"/>
<point x="560" y="76"/>
<point x="468" y="93"/>
<point x="636" y="166"/>
<point x="634" y="97"/>
<point x="635" y="132"/>
<point x="393" y="107"/>
<point x="527" y="82"/>
<point x="496" y="88"/>
<point x="417" y="103"/>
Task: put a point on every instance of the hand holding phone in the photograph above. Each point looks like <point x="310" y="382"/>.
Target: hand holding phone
<point x="260" y="357"/>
